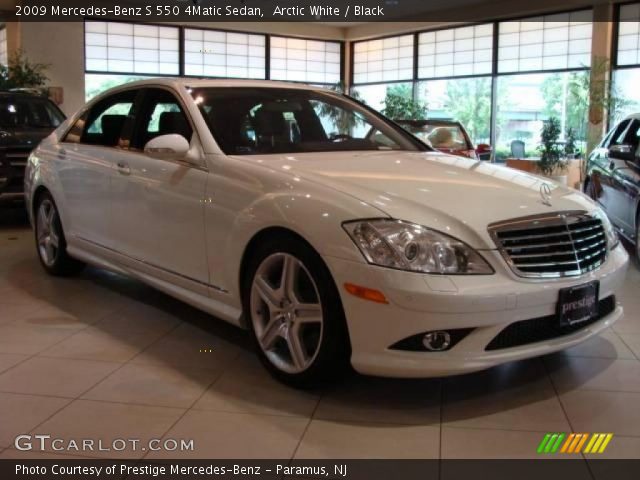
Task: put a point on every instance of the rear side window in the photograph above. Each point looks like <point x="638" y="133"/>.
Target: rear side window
<point x="106" y="122"/>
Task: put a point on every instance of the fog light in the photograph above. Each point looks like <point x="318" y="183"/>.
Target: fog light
<point x="436" y="341"/>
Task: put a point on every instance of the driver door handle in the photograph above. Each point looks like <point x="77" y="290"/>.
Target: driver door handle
<point x="123" y="168"/>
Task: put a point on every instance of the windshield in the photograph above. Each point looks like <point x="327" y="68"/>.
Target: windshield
<point x="440" y="136"/>
<point x="29" y="112"/>
<point x="250" y="121"/>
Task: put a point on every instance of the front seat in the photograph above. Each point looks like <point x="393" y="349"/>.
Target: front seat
<point x="174" y="122"/>
<point x="111" y="126"/>
<point x="271" y="129"/>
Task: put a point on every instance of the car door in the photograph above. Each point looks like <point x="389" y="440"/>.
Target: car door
<point x="625" y="179"/>
<point x="87" y="156"/>
<point x="617" y="170"/>
<point x="608" y="195"/>
<point x="158" y="205"/>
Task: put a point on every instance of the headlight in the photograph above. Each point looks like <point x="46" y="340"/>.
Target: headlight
<point x="407" y="246"/>
<point x="612" y="235"/>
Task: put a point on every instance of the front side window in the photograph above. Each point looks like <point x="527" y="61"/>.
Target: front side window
<point x="27" y="112"/>
<point x="618" y="136"/>
<point x="105" y="122"/>
<point x="248" y="121"/>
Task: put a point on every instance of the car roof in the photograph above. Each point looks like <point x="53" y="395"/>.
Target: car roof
<point x="220" y="83"/>
<point x="633" y="116"/>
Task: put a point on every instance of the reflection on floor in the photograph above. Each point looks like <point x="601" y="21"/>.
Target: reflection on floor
<point x="104" y="357"/>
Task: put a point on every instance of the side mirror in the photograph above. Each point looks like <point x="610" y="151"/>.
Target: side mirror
<point x="167" y="147"/>
<point x="483" y="148"/>
<point x="622" y="152"/>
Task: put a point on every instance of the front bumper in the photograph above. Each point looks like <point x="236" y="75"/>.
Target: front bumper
<point x="487" y="303"/>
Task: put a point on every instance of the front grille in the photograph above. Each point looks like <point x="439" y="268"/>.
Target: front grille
<point x="545" y="328"/>
<point x="13" y="162"/>
<point x="558" y="245"/>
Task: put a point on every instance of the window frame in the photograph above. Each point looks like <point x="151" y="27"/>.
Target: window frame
<point x="181" y="52"/>
<point x="142" y="104"/>
<point x="133" y="73"/>
<point x="127" y="128"/>
<point x="616" y="38"/>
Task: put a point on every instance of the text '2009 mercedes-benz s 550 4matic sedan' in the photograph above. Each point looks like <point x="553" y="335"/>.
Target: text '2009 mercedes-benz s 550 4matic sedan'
<point x="328" y="232"/>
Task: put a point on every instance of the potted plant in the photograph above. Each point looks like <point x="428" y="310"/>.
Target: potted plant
<point x="399" y="104"/>
<point x="21" y="73"/>
<point x="552" y="164"/>
<point x="570" y="149"/>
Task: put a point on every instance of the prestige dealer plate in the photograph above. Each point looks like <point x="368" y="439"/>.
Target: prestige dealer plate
<point x="578" y="304"/>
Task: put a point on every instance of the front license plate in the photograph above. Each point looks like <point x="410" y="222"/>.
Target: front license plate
<point x="578" y="304"/>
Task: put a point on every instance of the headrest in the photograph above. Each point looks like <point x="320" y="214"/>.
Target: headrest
<point x="174" y="122"/>
<point x="111" y="128"/>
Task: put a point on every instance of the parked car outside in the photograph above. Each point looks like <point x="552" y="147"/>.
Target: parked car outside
<point x="25" y="119"/>
<point x="613" y="178"/>
<point x="268" y="205"/>
<point x="448" y="137"/>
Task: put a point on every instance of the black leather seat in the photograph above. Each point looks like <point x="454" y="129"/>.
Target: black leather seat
<point x="174" y="122"/>
<point x="271" y="128"/>
<point x="111" y="126"/>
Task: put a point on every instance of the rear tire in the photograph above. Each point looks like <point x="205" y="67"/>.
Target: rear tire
<point x="51" y="244"/>
<point x="294" y="313"/>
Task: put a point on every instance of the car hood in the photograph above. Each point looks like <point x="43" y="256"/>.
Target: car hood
<point x="455" y="195"/>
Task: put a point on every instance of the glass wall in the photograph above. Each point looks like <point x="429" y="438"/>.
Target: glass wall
<point x="374" y="95"/>
<point x="120" y="52"/>
<point x="131" y="48"/>
<point x="626" y="76"/>
<point x="625" y="84"/>
<point x="301" y="60"/>
<point x="96" y="83"/>
<point x="212" y="53"/>
<point x="549" y="42"/>
<point x="466" y="100"/>
<point x="383" y="60"/>
<point x="525" y="101"/>
<point x="536" y="68"/>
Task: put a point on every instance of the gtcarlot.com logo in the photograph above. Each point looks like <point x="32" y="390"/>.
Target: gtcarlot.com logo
<point x="574" y="443"/>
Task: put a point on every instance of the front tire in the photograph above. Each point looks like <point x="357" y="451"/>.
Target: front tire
<point x="294" y="313"/>
<point x="50" y="240"/>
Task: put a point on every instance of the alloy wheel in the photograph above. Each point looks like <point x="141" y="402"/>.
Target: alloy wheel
<point x="286" y="313"/>
<point x="48" y="232"/>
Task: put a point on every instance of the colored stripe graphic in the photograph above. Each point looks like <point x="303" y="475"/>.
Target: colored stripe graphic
<point x="590" y="444"/>
<point x="606" y="442"/>
<point x="576" y="439"/>
<point x="567" y="443"/>
<point x="556" y="445"/>
<point x="584" y="439"/>
<point x="543" y="442"/>
<point x="573" y="443"/>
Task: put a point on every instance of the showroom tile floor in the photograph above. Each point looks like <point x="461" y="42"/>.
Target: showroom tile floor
<point x="104" y="357"/>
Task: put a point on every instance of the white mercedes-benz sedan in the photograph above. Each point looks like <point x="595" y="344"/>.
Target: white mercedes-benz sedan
<point x="324" y="229"/>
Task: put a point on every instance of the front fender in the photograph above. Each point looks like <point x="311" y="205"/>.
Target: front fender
<point x="250" y="200"/>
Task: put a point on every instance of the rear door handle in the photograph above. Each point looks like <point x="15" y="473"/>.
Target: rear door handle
<point x="123" y="168"/>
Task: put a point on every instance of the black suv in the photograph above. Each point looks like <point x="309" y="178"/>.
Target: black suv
<point x="25" y="119"/>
